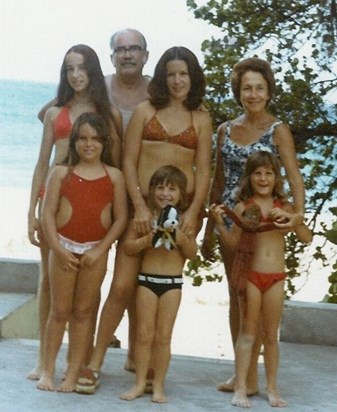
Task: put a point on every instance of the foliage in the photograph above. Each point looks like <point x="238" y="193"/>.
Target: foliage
<point x="299" y="39"/>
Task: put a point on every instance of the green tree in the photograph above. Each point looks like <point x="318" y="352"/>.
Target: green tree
<point x="299" y="39"/>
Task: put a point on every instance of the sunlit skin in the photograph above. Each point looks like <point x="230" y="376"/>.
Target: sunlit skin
<point x="254" y="94"/>
<point x="77" y="75"/>
<point x="166" y="194"/>
<point x="178" y="79"/>
<point x="129" y="63"/>
<point x="263" y="181"/>
<point x="88" y="145"/>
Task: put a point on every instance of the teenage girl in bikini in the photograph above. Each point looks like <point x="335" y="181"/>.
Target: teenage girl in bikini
<point x="81" y="198"/>
<point x="160" y="281"/>
<point x="261" y="185"/>
<point x="81" y="89"/>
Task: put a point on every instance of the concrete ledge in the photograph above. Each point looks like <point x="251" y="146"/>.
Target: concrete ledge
<point x="308" y="322"/>
<point x="19" y="316"/>
<point x="19" y="276"/>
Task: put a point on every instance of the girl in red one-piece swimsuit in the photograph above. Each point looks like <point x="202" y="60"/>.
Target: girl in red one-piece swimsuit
<point x="84" y="212"/>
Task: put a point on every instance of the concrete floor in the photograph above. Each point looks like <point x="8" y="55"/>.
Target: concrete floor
<point x="307" y="380"/>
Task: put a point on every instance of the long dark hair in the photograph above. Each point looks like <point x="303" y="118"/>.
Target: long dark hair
<point x="97" y="87"/>
<point x="98" y="123"/>
<point x="158" y="91"/>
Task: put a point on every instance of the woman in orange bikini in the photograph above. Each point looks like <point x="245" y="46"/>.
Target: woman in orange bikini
<point x="81" y="89"/>
<point x="81" y="198"/>
<point x="171" y="128"/>
<point x="261" y="283"/>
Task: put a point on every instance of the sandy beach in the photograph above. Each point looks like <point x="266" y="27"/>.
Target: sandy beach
<point x="202" y="325"/>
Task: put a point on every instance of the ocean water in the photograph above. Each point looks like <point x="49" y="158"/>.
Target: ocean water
<point x="20" y="129"/>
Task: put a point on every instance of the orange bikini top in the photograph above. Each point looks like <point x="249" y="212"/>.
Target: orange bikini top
<point x="154" y="131"/>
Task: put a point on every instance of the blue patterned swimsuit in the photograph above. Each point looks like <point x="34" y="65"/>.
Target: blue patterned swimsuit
<point x="234" y="158"/>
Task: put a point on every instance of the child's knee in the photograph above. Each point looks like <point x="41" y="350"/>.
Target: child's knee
<point x="246" y="340"/>
<point x="144" y="336"/>
<point x="60" y="314"/>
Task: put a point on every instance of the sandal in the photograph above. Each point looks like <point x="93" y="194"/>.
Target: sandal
<point x="87" y="381"/>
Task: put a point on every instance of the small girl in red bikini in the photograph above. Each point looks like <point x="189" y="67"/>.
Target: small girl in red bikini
<point x="259" y="269"/>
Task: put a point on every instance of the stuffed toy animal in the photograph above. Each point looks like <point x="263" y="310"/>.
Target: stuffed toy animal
<point x="165" y="228"/>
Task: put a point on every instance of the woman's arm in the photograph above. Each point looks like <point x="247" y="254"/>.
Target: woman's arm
<point x="218" y="183"/>
<point x="134" y="243"/>
<point x="40" y="174"/>
<point x="202" y="171"/>
<point x="116" y="133"/>
<point x="286" y="148"/>
<point x="45" y="108"/>
<point x="132" y="150"/>
<point x="118" y="121"/>
<point x="187" y="244"/>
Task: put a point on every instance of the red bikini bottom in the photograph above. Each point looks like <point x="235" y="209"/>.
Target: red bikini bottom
<point x="264" y="281"/>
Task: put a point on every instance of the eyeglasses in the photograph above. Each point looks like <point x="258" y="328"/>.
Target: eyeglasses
<point x="134" y="48"/>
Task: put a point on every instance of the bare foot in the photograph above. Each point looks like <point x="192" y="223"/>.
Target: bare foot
<point x="240" y="399"/>
<point x="159" y="397"/>
<point x="275" y="399"/>
<point x="129" y="365"/>
<point x="35" y="374"/>
<point x="67" y="386"/>
<point x="45" y="383"/>
<point x="132" y="394"/>
<point x="149" y="381"/>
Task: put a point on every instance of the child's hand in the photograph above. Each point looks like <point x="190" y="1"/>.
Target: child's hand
<point x="90" y="257"/>
<point x="217" y="213"/>
<point x="68" y="262"/>
<point x="148" y="238"/>
<point x="279" y="215"/>
<point x="187" y="223"/>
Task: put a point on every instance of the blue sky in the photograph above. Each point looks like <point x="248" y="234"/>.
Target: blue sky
<point x="35" y="34"/>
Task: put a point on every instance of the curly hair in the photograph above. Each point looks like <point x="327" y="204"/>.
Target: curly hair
<point x="98" y="123"/>
<point x="253" y="64"/>
<point x="158" y="91"/>
<point x="258" y="159"/>
<point x="169" y="175"/>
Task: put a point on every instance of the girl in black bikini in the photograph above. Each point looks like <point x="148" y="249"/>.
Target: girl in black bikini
<point x="159" y="284"/>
